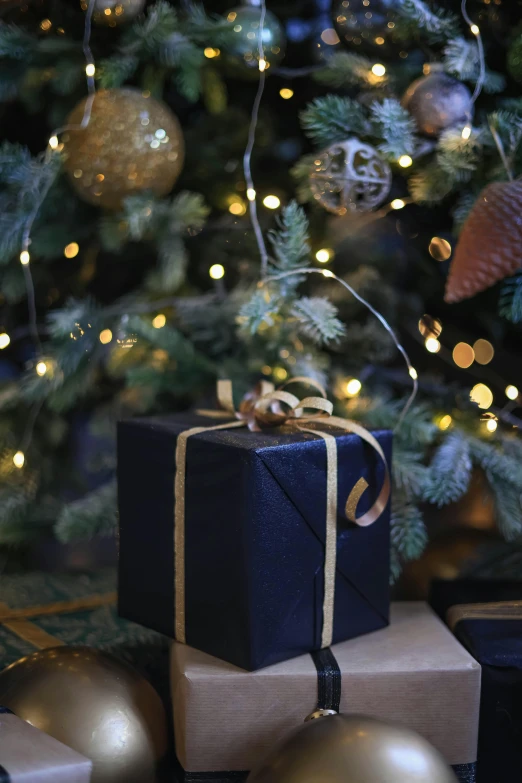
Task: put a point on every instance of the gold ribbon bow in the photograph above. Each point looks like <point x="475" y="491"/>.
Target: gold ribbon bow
<point x="264" y="408"/>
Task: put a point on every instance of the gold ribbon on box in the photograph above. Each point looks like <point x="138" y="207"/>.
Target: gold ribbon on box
<point x="266" y="408"/>
<point x="495" y="610"/>
<point x="18" y="621"/>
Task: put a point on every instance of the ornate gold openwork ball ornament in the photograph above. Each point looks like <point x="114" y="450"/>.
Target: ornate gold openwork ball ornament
<point x="112" y="13"/>
<point x="348" y="176"/>
<point x="437" y="102"/>
<point x="95" y="704"/>
<point x="131" y="143"/>
<point x="241" y="55"/>
<point x="353" y="749"/>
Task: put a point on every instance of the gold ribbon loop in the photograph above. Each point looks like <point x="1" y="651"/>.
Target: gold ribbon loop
<point x="261" y="409"/>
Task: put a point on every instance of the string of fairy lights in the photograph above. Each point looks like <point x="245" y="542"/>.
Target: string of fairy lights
<point x="463" y="355"/>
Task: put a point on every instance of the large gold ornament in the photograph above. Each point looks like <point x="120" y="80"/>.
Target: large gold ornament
<point x="131" y="143"/>
<point x="350" y="175"/>
<point x="111" y="13"/>
<point x="95" y="704"/>
<point x="353" y="749"/>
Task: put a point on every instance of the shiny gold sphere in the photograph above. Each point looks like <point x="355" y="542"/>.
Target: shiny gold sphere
<point x="131" y="143"/>
<point x="95" y="704"/>
<point x="111" y="13"/>
<point x="353" y="749"/>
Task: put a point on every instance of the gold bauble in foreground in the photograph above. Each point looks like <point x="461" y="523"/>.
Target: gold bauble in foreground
<point x="131" y="143"/>
<point x="95" y="704"/>
<point x="111" y="13"/>
<point x="353" y="749"/>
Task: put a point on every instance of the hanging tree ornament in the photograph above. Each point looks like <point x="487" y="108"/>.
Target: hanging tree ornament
<point x="360" y="22"/>
<point x="95" y="704"/>
<point x="352" y="749"/>
<point x="111" y="13"/>
<point x="437" y="102"/>
<point x="241" y="55"/>
<point x="488" y="249"/>
<point x="130" y="144"/>
<point x="350" y="175"/>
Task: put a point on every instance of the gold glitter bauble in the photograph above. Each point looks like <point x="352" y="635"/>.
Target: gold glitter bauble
<point x="95" y="704"/>
<point x="353" y="749"/>
<point x="131" y="143"/>
<point x="112" y="13"/>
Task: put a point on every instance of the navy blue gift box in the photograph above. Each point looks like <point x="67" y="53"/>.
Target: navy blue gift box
<point x="254" y="538"/>
<point x="492" y="633"/>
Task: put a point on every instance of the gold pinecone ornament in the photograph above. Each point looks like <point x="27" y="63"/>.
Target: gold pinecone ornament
<point x="489" y="245"/>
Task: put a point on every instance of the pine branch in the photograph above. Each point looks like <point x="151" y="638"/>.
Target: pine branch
<point x="410" y="475"/>
<point x="458" y="158"/>
<point x="317" y="320"/>
<point x="332" y="119"/>
<point x="409" y="537"/>
<point x="436" y="23"/>
<point x="260" y="309"/>
<point x="510" y="302"/>
<point x="93" y="515"/>
<point x="114" y="71"/>
<point x="461" y="59"/>
<point x="430" y="185"/>
<point x="290" y="241"/>
<point x="450" y="471"/>
<point x="345" y="69"/>
<point x="395" y="128"/>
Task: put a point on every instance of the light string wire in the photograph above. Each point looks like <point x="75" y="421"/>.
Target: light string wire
<point x="251" y="191"/>
<point x="48" y="181"/>
<point x="327" y="273"/>
<point x="480" y="48"/>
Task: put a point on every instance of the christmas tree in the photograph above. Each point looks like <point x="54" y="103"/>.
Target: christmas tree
<point x="178" y="184"/>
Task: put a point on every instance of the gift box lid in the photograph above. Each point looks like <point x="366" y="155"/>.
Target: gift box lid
<point x="28" y="755"/>
<point x="414" y="672"/>
<point x="492" y="632"/>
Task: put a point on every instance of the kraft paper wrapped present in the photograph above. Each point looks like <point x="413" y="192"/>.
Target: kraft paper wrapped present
<point x="414" y="672"/>
<point x="27" y="755"/>
<point x="240" y="538"/>
<point x="39" y="610"/>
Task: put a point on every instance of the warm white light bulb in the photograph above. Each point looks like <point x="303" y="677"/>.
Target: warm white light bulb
<point x="53" y="142"/>
<point x="474" y="29"/>
<point x="19" y="459"/>
<point x="413" y="373"/>
<point x="353" y="387"/>
<point x="432" y="345"/>
<point x="271" y="202"/>
<point x="24" y="257"/>
<point x="405" y="161"/>
<point x="511" y="391"/>
<point x="159" y="321"/>
<point x="251" y="194"/>
<point x="466" y="132"/>
<point x="397" y="203"/>
<point x="4" y="340"/>
<point x="378" y="69"/>
<point x="41" y="368"/>
<point x="491" y="425"/>
<point x="262" y="64"/>
<point x="90" y="69"/>
<point x="216" y="271"/>
<point x="323" y="255"/>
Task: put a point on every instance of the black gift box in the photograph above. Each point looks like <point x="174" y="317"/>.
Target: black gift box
<point x="492" y="632"/>
<point x="254" y="548"/>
